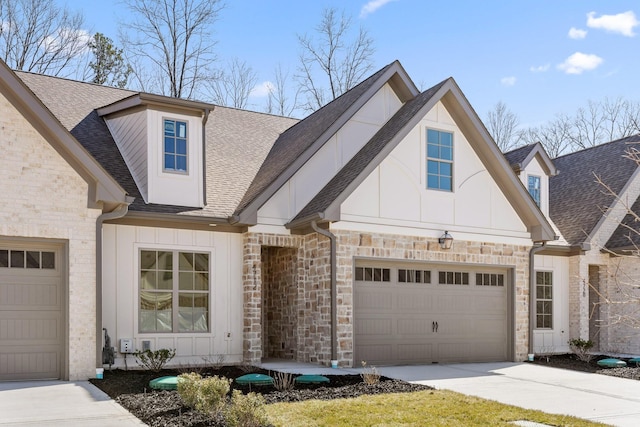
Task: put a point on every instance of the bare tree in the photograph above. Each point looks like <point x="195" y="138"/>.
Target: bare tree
<point x="503" y="127"/>
<point x="41" y="37"/>
<point x="278" y="101"/>
<point x="232" y="87"/>
<point x="332" y="62"/>
<point x="604" y="121"/>
<point x="555" y="136"/>
<point x="169" y="43"/>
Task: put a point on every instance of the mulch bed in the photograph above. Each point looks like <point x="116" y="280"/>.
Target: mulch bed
<point x="165" y="408"/>
<point x="570" y="361"/>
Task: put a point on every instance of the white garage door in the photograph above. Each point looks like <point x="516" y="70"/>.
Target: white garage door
<point x="411" y="314"/>
<point x="31" y="315"/>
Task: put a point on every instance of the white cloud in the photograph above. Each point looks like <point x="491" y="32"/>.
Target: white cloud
<point x="579" y="62"/>
<point x="577" y="34"/>
<point x="80" y="38"/>
<point x="372" y="6"/>
<point x="508" y="81"/>
<point x="622" y="23"/>
<point x="540" y="68"/>
<point x="263" y="89"/>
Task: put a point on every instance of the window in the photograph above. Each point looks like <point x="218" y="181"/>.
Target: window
<point x="174" y="291"/>
<point x="439" y="160"/>
<point x="175" y="146"/>
<point x="371" y="274"/>
<point x="414" y="276"/>
<point x="534" y="188"/>
<point x="20" y="258"/>
<point x="453" y="278"/>
<point x="544" y="299"/>
<point x="489" y="279"/>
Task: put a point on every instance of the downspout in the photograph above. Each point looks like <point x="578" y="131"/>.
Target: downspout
<point x="205" y="118"/>
<point x="118" y="212"/>
<point x="532" y="292"/>
<point x="334" y="305"/>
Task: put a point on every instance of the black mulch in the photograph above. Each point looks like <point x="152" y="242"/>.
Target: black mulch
<point x="165" y="408"/>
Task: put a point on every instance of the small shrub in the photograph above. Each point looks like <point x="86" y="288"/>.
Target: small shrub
<point x="369" y="375"/>
<point x="154" y="360"/>
<point x="206" y="395"/>
<point x="189" y="388"/>
<point x="247" y="368"/>
<point x="581" y="348"/>
<point x="283" y="381"/>
<point x="246" y="410"/>
<point x="216" y="361"/>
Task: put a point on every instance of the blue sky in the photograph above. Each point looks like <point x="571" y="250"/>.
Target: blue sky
<point x="539" y="57"/>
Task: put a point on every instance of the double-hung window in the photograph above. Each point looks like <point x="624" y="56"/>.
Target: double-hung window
<point x="174" y="291"/>
<point x="175" y="145"/>
<point x="544" y="300"/>
<point x="534" y="188"/>
<point x="439" y="160"/>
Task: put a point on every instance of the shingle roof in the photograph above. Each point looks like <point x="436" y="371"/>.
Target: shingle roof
<point x="517" y="156"/>
<point x="237" y="141"/>
<point x="299" y="138"/>
<point x="365" y="157"/>
<point x="627" y="235"/>
<point x="576" y="199"/>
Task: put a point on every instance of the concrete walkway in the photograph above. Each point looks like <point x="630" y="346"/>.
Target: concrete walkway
<point x="60" y="403"/>
<point x="595" y="397"/>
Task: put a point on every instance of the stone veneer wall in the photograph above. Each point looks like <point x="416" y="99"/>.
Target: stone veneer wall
<point x="44" y="198"/>
<point x="314" y="286"/>
<point x="280" y="288"/>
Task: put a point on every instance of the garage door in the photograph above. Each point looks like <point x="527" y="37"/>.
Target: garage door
<point x="411" y="314"/>
<point x="31" y="315"/>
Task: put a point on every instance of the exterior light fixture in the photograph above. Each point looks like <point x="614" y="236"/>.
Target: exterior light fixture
<point x="446" y="240"/>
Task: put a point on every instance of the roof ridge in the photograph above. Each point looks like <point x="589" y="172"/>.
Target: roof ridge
<point x="637" y="135"/>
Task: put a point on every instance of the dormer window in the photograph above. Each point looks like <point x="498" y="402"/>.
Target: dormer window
<point x="175" y="146"/>
<point x="534" y="188"/>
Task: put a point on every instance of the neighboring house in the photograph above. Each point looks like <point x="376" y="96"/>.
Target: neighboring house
<point x="385" y="227"/>
<point x="585" y="280"/>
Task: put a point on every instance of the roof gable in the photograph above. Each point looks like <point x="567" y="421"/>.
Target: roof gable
<point x="298" y="144"/>
<point x="577" y="202"/>
<point x="103" y="187"/>
<point x="520" y="158"/>
<point x="327" y="202"/>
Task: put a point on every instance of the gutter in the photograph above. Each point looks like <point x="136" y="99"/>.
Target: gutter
<point x="118" y="212"/>
<point x="334" y="306"/>
<point x="532" y="292"/>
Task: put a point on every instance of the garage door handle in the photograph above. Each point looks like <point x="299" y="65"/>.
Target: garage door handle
<point x="436" y="326"/>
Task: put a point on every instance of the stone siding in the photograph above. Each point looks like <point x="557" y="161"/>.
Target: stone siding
<point x="310" y="256"/>
<point x="44" y="198"/>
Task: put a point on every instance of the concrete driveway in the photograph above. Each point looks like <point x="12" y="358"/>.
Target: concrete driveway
<point x="609" y="400"/>
<point x="596" y="397"/>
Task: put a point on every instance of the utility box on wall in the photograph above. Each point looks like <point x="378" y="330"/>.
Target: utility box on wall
<point x="126" y="345"/>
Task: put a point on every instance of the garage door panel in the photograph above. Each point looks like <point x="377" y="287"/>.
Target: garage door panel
<point x="31" y="312"/>
<point x="412" y="352"/>
<point x="413" y="326"/>
<point x="431" y="322"/>
<point x="374" y="326"/>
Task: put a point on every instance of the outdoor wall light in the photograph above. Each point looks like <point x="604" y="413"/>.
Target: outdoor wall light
<point x="446" y="240"/>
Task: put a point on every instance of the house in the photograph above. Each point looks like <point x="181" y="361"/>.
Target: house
<point x="585" y="280"/>
<point x="385" y="227"/>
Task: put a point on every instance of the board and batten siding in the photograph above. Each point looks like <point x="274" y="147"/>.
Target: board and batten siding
<point x="327" y="161"/>
<point x="556" y="339"/>
<point x="122" y="245"/>
<point x="395" y="194"/>
<point x="130" y="134"/>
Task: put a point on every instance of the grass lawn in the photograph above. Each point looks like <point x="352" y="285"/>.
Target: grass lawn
<point x="432" y="408"/>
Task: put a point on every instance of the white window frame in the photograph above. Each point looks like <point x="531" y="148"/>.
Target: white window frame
<point x="175" y="153"/>
<point x="439" y="160"/>
<point x="175" y="290"/>
<point x="545" y="298"/>
<point x="536" y="193"/>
